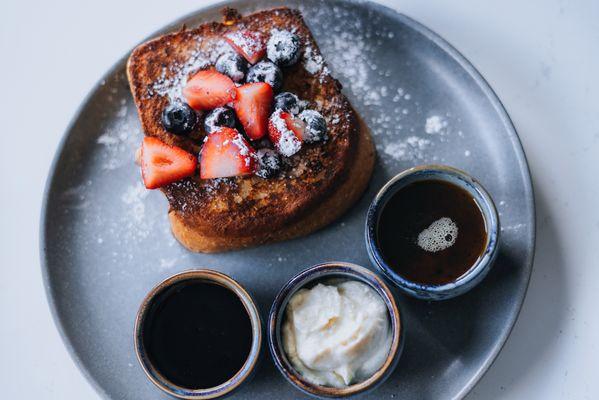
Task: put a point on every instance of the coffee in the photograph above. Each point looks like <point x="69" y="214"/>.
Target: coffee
<point x="197" y="334"/>
<point x="431" y="232"/>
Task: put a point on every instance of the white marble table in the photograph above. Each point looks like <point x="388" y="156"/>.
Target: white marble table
<point x="542" y="59"/>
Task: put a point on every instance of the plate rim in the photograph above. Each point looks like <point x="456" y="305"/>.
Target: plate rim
<point x="428" y="33"/>
<point x="524" y="167"/>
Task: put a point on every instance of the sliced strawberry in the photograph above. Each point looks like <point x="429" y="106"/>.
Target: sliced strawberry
<point x="285" y="132"/>
<point x="209" y="89"/>
<point x="251" y="45"/>
<point x="226" y="153"/>
<point x="294" y="124"/>
<point x="252" y="105"/>
<point x="162" y="164"/>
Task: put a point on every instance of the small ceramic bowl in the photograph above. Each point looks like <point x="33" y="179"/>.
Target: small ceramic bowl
<point x="241" y="377"/>
<point x="481" y="267"/>
<point x="307" y="278"/>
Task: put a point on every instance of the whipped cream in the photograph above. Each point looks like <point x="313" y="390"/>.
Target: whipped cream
<point x="338" y="334"/>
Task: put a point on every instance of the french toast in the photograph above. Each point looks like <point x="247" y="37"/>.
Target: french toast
<point x="312" y="187"/>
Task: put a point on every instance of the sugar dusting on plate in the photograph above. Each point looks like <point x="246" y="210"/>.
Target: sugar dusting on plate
<point x="435" y="125"/>
<point x="134" y="199"/>
<point x="122" y="211"/>
<point x="407" y="149"/>
<point x="408" y="133"/>
<point x="122" y="134"/>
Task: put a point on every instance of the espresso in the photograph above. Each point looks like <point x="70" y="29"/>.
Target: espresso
<point x="431" y="232"/>
<point x="197" y="334"/>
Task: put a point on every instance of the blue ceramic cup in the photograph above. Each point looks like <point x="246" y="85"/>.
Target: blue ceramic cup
<point x="483" y="264"/>
<point x="228" y="387"/>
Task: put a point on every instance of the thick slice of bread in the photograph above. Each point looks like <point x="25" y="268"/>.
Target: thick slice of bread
<point x="316" y="185"/>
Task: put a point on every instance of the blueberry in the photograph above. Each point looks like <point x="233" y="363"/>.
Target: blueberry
<point x="269" y="163"/>
<point x="233" y="65"/>
<point x="179" y="118"/>
<point x="283" y="48"/>
<point x="316" y="126"/>
<point x="266" y="71"/>
<point x="287" y="101"/>
<point x="222" y="116"/>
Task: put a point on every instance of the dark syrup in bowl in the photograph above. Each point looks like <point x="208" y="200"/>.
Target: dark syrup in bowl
<point x="431" y="232"/>
<point x="197" y="334"/>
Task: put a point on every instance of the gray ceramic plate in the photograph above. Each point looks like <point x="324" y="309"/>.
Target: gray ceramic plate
<point x="106" y="240"/>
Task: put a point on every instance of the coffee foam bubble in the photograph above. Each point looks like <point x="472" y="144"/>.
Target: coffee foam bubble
<point x="440" y="235"/>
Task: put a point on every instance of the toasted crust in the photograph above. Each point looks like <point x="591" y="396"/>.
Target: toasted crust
<point x="316" y="185"/>
<point x="329" y="210"/>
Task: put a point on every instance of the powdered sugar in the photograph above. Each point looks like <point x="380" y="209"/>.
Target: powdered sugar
<point x="411" y="148"/>
<point x="283" y="47"/>
<point x="269" y="163"/>
<point x="435" y="125"/>
<point x="120" y="137"/>
<point x="374" y="88"/>
<point x="240" y="143"/>
<point x="244" y="151"/>
<point x="174" y="77"/>
<point x="352" y="56"/>
<point x="313" y="63"/>
<point x="249" y="42"/>
<point x="356" y="48"/>
<point x="351" y="61"/>
<point x="122" y="111"/>
<point x="133" y="197"/>
<point x="212" y="185"/>
<point x="76" y="198"/>
<point x="168" y="263"/>
<point x="287" y="144"/>
<point x="514" y="227"/>
<point x="173" y="86"/>
<point x="108" y="140"/>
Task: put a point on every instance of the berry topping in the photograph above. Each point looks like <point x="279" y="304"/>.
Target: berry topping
<point x="209" y="89"/>
<point x="289" y="102"/>
<point x="266" y="71"/>
<point x="295" y="124"/>
<point x="233" y="65"/>
<point x="179" y="118"/>
<point x="315" y="129"/>
<point x="226" y="153"/>
<point x="283" y="47"/>
<point x="285" y="132"/>
<point x="249" y="44"/>
<point x="252" y="105"/>
<point x="269" y="163"/>
<point x="222" y="116"/>
<point x="162" y="164"/>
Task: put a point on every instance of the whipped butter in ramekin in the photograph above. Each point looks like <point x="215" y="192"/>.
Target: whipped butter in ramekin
<point x="337" y="334"/>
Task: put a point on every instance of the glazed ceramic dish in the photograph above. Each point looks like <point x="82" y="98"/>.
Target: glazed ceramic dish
<point x="232" y="384"/>
<point x="477" y="272"/>
<point x="105" y="240"/>
<point x="324" y="273"/>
